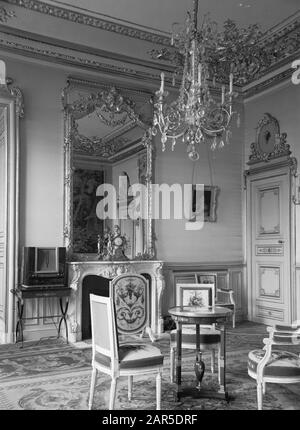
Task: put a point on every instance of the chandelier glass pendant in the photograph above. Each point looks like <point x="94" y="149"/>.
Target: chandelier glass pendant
<point x="196" y="116"/>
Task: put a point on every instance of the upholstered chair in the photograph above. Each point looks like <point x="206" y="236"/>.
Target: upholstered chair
<point x="130" y="294"/>
<point x="210" y="338"/>
<point x="128" y="359"/>
<point x="275" y="365"/>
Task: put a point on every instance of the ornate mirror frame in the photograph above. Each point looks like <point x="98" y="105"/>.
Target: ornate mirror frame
<point x="72" y="111"/>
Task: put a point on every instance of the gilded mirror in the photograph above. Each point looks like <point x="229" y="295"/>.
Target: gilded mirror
<point x="106" y="136"/>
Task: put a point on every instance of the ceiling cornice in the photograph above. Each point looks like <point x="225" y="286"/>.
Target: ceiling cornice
<point x="68" y="57"/>
<point x="91" y="62"/>
<point x="92" y="21"/>
<point x="281" y="45"/>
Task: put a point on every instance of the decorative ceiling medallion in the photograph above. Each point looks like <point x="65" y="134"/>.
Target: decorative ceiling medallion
<point x="270" y="143"/>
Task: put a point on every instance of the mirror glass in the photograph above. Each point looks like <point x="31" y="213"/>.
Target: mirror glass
<point x="106" y="142"/>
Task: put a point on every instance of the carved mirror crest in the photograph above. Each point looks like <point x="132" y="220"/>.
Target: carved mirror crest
<point x="106" y="135"/>
<point x="270" y="142"/>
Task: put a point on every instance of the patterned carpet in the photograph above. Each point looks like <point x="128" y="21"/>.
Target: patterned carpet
<point x="51" y="375"/>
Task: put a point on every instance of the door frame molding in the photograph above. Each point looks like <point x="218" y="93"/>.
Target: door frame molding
<point x="288" y="164"/>
<point x="11" y="98"/>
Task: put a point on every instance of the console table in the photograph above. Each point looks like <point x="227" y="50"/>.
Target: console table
<point x="31" y="292"/>
<point x="198" y="315"/>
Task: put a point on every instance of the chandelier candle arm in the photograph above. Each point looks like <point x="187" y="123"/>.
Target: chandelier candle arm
<point x="162" y="83"/>
<point x="230" y="83"/>
<point x="200" y="74"/>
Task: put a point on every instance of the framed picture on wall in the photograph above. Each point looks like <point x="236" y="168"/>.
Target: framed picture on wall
<point x="210" y="202"/>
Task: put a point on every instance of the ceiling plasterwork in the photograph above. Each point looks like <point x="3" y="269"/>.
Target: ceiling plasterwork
<point x="279" y="47"/>
<point x="82" y="18"/>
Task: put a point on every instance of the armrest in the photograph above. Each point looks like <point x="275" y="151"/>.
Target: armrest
<point x="227" y="293"/>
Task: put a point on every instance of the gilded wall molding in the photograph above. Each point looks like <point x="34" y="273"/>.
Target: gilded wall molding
<point x="270" y="143"/>
<point x="92" y="21"/>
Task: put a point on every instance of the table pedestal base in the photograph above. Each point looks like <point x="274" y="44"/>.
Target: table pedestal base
<point x="197" y="394"/>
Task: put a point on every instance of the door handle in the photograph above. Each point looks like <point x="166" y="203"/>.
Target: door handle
<point x="281" y="241"/>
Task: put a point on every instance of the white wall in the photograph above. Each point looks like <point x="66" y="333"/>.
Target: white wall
<point x="41" y="152"/>
<point x="219" y="241"/>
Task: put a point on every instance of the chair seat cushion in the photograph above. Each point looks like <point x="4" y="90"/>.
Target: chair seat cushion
<point x="134" y="355"/>
<point x="207" y="335"/>
<point x="281" y="363"/>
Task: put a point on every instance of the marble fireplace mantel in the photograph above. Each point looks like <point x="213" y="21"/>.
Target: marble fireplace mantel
<point x="110" y="269"/>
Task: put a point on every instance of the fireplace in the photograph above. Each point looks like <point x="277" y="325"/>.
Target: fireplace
<point x="91" y="284"/>
<point x="87" y="277"/>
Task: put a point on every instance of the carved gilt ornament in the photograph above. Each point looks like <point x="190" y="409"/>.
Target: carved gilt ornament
<point x="270" y="142"/>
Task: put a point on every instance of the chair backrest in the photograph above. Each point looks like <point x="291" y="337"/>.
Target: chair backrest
<point x="195" y="295"/>
<point x="207" y="278"/>
<point x="130" y="294"/>
<point x="285" y="334"/>
<point x="104" y="330"/>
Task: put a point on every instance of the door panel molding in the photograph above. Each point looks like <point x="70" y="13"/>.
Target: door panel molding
<point x="269" y="282"/>
<point x="269" y="200"/>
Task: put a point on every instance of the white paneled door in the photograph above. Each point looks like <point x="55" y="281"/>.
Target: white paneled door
<point x="269" y="231"/>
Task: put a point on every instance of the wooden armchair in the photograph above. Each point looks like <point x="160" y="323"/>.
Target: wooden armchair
<point x="276" y="366"/>
<point x="224" y="297"/>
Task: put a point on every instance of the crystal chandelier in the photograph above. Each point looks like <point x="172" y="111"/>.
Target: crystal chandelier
<point x="196" y="116"/>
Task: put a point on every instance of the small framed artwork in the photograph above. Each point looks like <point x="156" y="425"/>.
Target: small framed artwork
<point x="195" y="295"/>
<point x="206" y="278"/>
<point x="210" y="202"/>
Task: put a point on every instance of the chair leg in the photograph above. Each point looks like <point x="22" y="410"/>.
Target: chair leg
<point x="219" y="365"/>
<point x="259" y="395"/>
<point x="92" y="387"/>
<point x="172" y="364"/>
<point x="233" y="319"/>
<point x="130" y="380"/>
<point x="264" y="388"/>
<point x="158" y="391"/>
<point x="212" y="361"/>
<point x="112" y="396"/>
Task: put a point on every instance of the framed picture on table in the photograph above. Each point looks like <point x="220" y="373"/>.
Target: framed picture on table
<point x="195" y="295"/>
